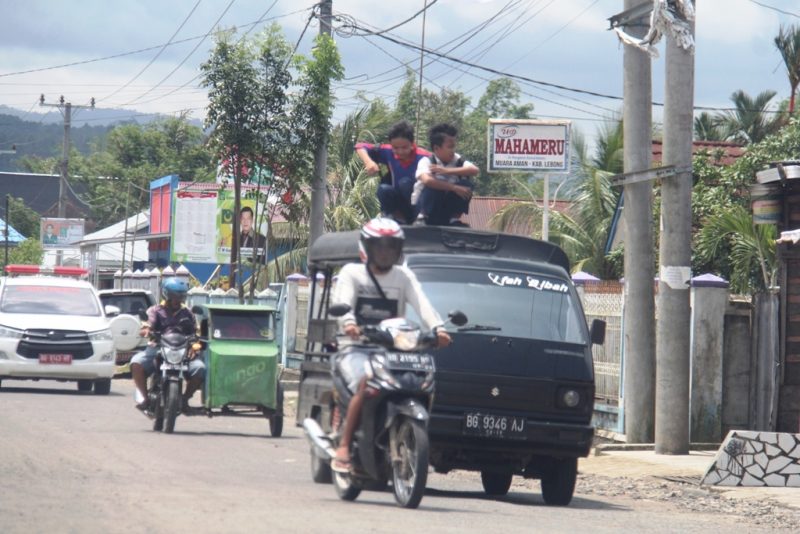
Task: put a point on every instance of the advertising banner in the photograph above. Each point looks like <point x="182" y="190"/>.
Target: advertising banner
<point x="61" y="233"/>
<point x="202" y="227"/>
<point x="528" y="145"/>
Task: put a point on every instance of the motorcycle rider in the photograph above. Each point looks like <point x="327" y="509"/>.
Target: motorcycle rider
<point x="170" y="315"/>
<point x="379" y="289"/>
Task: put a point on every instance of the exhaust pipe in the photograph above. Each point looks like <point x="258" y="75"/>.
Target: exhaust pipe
<point x="318" y="437"/>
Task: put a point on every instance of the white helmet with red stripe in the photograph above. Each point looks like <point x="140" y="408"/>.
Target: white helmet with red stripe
<point x="381" y="243"/>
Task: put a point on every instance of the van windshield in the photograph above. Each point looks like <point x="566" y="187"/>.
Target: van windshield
<point x="518" y="304"/>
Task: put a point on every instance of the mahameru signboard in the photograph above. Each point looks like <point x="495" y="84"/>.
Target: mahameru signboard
<point x="519" y="145"/>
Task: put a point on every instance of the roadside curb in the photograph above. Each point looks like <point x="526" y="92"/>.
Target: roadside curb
<point x="598" y="450"/>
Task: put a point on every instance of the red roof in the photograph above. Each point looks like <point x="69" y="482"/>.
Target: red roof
<point x="721" y="152"/>
<point x="481" y="210"/>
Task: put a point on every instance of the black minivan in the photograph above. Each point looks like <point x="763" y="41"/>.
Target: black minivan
<point x="515" y="390"/>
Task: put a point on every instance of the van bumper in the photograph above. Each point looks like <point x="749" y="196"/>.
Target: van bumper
<point x="458" y="450"/>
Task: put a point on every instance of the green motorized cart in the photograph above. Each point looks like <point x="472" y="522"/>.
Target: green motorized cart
<point x="242" y="362"/>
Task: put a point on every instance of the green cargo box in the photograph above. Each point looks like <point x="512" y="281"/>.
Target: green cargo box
<point x="241" y="356"/>
<point x="241" y="374"/>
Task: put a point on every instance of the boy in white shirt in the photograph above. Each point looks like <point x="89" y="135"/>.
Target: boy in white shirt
<point x="443" y="188"/>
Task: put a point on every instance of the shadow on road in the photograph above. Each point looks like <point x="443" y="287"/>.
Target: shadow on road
<point x="525" y="499"/>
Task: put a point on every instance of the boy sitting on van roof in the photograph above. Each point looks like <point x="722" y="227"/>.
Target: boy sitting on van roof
<point x="443" y="188"/>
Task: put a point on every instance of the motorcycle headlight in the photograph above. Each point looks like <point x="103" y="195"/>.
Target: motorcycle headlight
<point x="101" y="335"/>
<point x="8" y="332"/>
<point x="380" y="371"/>
<point x="405" y="339"/>
<point x="174" y="356"/>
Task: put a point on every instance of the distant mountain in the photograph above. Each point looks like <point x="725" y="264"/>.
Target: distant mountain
<point x="42" y="134"/>
<point x="86" y="117"/>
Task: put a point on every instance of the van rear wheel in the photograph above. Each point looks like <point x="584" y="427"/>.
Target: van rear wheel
<point x="558" y="481"/>
<point x="496" y="484"/>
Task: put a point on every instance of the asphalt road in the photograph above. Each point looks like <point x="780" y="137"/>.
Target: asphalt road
<point x="75" y="462"/>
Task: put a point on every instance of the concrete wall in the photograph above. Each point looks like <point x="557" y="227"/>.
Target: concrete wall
<point x="736" y="362"/>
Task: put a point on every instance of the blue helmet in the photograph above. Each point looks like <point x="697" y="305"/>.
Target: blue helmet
<point x="174" y="288"/>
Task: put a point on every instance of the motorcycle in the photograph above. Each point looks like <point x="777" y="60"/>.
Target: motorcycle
<point x="165" y="388"/>
<point x="391" y="441"/>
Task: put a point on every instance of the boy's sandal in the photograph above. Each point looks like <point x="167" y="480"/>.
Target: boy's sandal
<point x="341" y="466"/>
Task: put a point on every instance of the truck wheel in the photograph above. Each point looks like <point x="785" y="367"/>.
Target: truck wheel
<point x="276" y="419"/>
<point x="84" y="385"/>
<point x="173" y="406"/>
<point x="102" y="386"/>
<point x="558" y="481"/>
<point x="410" y="471"/>
<point x="495" y="484"/>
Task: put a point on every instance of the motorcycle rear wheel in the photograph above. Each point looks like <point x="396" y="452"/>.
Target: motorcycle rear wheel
<point x="410" y="473"/>
<point x="173" y="406"/>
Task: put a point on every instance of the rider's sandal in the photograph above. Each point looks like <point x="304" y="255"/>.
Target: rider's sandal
<point x="341" y="466"/>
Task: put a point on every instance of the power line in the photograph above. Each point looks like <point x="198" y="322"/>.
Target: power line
<point x="185" y="59"/>
<point x="164" y="47"/>
<point x="133" y="52"/>
<point x="252" y="25"/>
<point x="409" y="19"/>
<point x="773" y="8"/>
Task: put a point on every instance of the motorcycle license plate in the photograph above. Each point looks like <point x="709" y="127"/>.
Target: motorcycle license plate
<point x="409" y="360"/>
<point x="63" y="359"/>
<point x="494" y="426"/>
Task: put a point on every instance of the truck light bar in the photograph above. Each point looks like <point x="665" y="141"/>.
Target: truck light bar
<point x="20" y="269"/>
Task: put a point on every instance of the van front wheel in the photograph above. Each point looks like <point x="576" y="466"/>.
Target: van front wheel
<point x="558" y="481"/>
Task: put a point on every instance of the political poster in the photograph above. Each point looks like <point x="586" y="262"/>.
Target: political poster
<point x="57" y="233"/>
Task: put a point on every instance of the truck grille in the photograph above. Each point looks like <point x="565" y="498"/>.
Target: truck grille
<point x="40" y="341"/>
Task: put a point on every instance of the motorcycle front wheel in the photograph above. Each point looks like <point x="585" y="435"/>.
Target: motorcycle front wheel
<point x="173" y="406"/>
<point x="345" y="488"/>
<point x="410" y="471"/>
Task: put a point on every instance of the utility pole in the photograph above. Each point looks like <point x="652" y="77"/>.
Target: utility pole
<point x="321" y="155"/>
<point x="66" y="109"/>
<point x="672" y="349"/>
<point x="639" y="346"/>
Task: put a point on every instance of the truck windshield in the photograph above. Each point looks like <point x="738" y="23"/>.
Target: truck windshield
<point x="520" y="305"/>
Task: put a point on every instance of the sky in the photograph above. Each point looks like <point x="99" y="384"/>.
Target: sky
<point x="153" y="50"/>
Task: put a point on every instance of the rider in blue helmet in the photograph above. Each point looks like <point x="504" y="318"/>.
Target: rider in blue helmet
<point x="169" y="315"/>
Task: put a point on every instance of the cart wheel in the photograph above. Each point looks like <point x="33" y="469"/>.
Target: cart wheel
<point x="276" y="419"/>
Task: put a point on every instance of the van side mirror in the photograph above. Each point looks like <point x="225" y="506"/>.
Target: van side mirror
<point x="111" y="310"/>
<point x="598" y="332"/>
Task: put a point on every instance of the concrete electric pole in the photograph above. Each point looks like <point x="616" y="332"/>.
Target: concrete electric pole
<point x="639" y="309"/>
<point x="321" y="155"/>
<point x="66" y="109"/>
<point x="672" y="350"/>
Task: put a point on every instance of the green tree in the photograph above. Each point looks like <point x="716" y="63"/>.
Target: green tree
<point x="749" y="249"/>
<point x="29" y="252"/>
<point x="500" y="100"/>
<point x="706" y="128"/>
<point x="750" y="121"/>
<point x="22" y="218"/>
<point x="788" y="44"/>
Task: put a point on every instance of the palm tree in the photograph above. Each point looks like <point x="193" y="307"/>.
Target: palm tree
<point x="750" y="248"/>
<point x="788" y="44"/>
<point x="706" y="128"/>
<point x="750" y="120"/>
